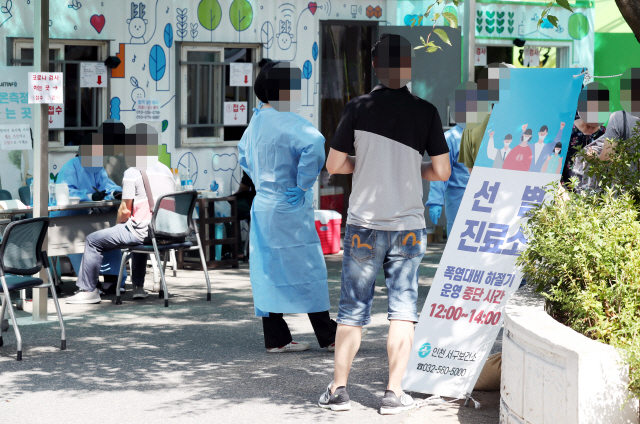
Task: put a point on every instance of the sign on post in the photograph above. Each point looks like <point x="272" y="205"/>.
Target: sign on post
<point x="45" y="87"/>
<point x="235" y="113"/>
<point x="15" y="137"/>
<point x="93" y="74"/>
<point x="148" y="110"/>
<point x="56" y="117"/>
<point x="240" y="74"/>
<point x="481" y="56"/>
<point x="464" y="310"/>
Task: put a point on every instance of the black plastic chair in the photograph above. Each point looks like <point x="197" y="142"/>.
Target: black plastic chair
<point x="21" y="256"/>
<point x="5" y="195"/>
<point x="171" y="223"/>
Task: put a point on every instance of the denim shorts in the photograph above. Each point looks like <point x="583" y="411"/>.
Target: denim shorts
<point x="399" y="253"/>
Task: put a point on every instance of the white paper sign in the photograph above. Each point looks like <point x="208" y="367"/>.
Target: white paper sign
<point x="235" y="113"/>
<point x="481" y="56"/>
<point x="56" y="117"/>
<point x="93" y="74"/>
<point x="148" y="110"/>
<point x="45" y="87"/>
<point x="241" y="74"/>
<point x="15" y="137"/>
<point x="531" y="57"/>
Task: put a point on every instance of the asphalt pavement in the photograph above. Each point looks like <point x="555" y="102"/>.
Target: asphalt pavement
<point x="199" y="361"/>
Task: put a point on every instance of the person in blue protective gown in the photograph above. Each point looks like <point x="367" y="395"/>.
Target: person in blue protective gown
<point x="449" y="193"/>
<point x="83" y="182"/>
<point x="283" y="154"/>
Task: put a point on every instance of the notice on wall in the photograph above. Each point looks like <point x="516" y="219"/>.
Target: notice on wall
<point x="15" y="137"/>
<point x="464" y="309"/>
<point x="56" y="117"/>
<point x="531" y="57"/>
<point x="148" y="110"/>
<point x="14" y="97"/>
<point x="235" y="113"/>
<point x="45" y="87"/>
<point x="481" y="56"/>
<point x="93" y="74"/>
<point x="240" y="74"/>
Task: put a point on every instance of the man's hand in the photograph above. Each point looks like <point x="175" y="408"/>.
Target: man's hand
<point x="124" y="212"/>
<point x="561" y="125"/>
<point x="99" y="195"/>
<point x="434" y="213"/>
<point x="524" y="127"/>
<point x="117" y="195"/>
<point x="295" y="195"/>
<point x="491" y="133"/>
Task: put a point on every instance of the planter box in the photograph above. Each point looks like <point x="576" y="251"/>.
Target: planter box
<point x="554" y="375"/>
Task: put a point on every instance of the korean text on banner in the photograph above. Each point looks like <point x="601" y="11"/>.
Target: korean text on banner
<point x="46" y="87"/>
<point x="463" y="312"/>
<point x="14" y="97"/>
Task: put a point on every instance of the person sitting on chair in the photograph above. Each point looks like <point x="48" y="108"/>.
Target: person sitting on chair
<point x="134" y="215"/>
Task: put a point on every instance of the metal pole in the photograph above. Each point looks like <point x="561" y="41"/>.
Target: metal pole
<point x="469" y="45"/>
<point x="41" y="141"/>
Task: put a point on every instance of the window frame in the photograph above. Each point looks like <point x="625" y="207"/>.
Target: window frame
<point x="182" y="139"/>
<point x="101" y="103"/>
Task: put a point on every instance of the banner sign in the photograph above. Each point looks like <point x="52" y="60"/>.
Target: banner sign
<point x="46" y="87"/>
<point x="15" y="137"/>
<point x="14" y="98"/>
<point x="522" y="151"/>
<point x="148" y="110"/>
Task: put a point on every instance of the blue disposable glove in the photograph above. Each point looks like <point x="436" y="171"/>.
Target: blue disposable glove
<point x="434" y="213"/>
<point x="214" y="186"/>
<point x="294" y="195"/>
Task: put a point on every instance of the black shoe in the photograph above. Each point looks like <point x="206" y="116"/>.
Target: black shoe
<point x="336" y="401"/>
<point x="392" y="404"/>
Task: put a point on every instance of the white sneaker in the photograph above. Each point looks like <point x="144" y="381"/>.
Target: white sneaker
<point x="139" y="293"/>
<point x="332" y="346"/>
<point x="392" y="404"/>
<point x="291" y="347"/>
<point x="83" y="296"/>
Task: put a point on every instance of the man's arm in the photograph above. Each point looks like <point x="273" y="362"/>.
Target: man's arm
<point x="438" y="170"/>
<point x="340" y="163"/>
<point x="491" y="147"/>
<point x="124" y="211"/>
<point x="559" y="135"/>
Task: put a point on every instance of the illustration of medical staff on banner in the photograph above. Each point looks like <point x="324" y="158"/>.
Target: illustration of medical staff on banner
<point x="528" y="136"/>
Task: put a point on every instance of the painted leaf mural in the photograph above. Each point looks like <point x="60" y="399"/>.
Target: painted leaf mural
<point x="209" y="14"/>
<point x="241" y="14"/>
<point x="307" y="69"/>
<point x="578" y="26"/>
<point x="168" y="35"/>
<point x="157" y="63"/>
<point x="314" y="51"/>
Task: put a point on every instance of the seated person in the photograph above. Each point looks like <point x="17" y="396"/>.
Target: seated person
<point x="88" y="180"/>
<point x="134" y="216"/>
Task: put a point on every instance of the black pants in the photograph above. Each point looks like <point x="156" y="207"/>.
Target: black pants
<point x="277" y="334"/>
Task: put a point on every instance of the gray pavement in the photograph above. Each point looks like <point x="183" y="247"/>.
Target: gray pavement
<point x="198" y="360"/>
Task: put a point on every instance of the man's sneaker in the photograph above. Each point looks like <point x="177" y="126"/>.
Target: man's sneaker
<point x="139" y="293"/>
<point x="291" y="347"/>
<point x="392" y="404"/>
<point x="336" y="401"/>
<point x="332" y="346"/>
<point x="83" y="296"/>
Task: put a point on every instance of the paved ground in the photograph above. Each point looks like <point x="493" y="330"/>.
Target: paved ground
<point x="198" y="360"/>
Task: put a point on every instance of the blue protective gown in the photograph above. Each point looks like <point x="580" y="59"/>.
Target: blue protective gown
<point x="449" y="193"/>
<point x="81" y="183"/>
<point x="280" y="150"/>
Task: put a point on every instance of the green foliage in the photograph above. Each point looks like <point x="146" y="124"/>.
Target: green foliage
<point x="553" y="19"/>
<point x="583" y="255"/>
<point x="15" y="158"/>
<point x="450" y="18"/>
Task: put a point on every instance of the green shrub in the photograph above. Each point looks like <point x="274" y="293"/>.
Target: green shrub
<point x="583" y="255"/>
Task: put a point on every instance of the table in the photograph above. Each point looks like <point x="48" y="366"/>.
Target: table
<point x="67" y="234"/>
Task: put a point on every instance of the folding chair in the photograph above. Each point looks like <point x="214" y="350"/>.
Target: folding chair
<point x="21" y="256"/>
<point x="171" y="223"/>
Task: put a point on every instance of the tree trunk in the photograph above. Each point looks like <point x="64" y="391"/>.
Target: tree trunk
<point x="630" y="10"/>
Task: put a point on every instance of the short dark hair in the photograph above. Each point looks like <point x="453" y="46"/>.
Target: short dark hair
<point x="260" y="85"/>
<point x="544" y="128"/>
<point x="508" y="137"/>
<point x="528" y="131"/>
<point x="558" y="145"/>
<point x="391" y="51"/>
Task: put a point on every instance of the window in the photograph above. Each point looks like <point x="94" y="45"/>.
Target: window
<point x="84" y="108"/>
<point x="204" y="88"/>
